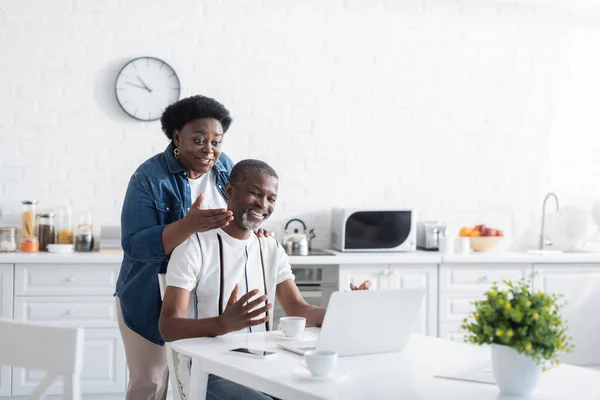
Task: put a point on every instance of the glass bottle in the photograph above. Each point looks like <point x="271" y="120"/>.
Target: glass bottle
<point x="28" y="218"/>
<point x="46" y="231"/>
<point x="65" y="225"/>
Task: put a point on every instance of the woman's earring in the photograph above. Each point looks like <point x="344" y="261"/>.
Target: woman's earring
<point x="176" y="152"/>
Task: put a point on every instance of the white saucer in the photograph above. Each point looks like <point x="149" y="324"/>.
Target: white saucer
<point x="305" y="336"/>
<point x="60" y="248"/>
<point x="303" y="373"/>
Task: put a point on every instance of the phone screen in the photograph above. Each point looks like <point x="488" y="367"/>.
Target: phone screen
<point x="254" y="352"/>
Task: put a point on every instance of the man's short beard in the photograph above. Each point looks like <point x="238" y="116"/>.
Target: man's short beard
<point x="246" y="224"/>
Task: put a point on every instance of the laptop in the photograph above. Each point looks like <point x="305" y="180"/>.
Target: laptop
<point x="365" y="322"/>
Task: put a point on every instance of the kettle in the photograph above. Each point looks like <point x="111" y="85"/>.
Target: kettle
<point x="297" y="242"/>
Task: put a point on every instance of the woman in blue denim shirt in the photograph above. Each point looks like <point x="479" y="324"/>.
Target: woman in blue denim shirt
<point x="169" y="197"/>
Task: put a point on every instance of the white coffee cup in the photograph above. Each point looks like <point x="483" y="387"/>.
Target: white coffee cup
<point x="292" y="326"/>
<point x="321" y="364"/>
<point x="446" y="244"/>
<point x="463" y="245"/>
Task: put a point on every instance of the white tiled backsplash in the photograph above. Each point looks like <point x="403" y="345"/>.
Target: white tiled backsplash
<point x="468" y="110"/>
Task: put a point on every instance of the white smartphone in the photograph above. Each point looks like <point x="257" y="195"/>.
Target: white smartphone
<point x="254" y="353"/>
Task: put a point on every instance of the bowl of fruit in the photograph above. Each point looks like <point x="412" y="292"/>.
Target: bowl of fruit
<point x="482" y="238"/>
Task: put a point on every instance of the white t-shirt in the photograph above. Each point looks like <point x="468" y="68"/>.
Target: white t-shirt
<point x="195" y="266"/>
<point x="207" y="184"/>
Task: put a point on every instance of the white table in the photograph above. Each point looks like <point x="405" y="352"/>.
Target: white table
<point x="406" y="375"/>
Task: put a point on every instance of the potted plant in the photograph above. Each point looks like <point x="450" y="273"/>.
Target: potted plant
<point x="525" y="330"/>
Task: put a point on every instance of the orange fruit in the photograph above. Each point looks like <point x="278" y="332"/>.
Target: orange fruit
<point x="465" y="231"/>
<point x="475" y="234"/>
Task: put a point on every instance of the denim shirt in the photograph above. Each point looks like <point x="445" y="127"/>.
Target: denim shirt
<point x="157" y="195"/>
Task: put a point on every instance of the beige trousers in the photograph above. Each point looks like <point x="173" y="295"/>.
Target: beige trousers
<point x="147" y="363"/>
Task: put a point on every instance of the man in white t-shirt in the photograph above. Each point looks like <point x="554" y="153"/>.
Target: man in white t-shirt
<point x="233" y="275"/>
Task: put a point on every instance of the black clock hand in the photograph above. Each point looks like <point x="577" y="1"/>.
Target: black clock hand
<point x="133" y="84"/>
<point x="145" y="86"/>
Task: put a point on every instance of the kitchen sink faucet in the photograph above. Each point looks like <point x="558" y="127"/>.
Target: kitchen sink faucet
<point x="542" y="241"/>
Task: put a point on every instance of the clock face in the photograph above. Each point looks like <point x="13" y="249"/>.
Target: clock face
<point x="145" y="87"/>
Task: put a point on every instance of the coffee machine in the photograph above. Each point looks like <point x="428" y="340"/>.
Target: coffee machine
<point x="428" y="234"/>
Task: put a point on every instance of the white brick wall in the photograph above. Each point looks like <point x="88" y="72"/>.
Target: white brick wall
<point x="469" y="110"/>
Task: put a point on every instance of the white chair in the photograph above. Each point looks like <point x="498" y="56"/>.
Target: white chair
<point x="56" y="350"/>
<point x="171" y="355"/>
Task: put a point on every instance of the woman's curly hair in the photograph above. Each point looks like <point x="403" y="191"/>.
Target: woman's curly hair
<point x="180" y="113"/>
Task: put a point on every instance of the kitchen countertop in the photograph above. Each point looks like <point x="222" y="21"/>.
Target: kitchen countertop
<point x="338" y="258"/>
<point x="418" y="257"/>
<point x="57" y="258"/>
<point x="522" y="257"/>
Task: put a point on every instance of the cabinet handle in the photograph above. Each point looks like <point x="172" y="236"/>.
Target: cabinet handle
<point x="534" y="273"/>
<point x="71" y="279"/>
<point x="70" y="312"/>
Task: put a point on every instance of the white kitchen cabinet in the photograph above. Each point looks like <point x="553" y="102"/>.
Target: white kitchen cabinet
<point x="103" y="367"/>
<point x="462" y="284"/>
<point x="73" y="295"/>
<point x="400" y="276"/>
<point x="580" y="285"/>
<point x="6" y="298"/>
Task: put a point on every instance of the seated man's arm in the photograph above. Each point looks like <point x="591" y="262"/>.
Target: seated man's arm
<point x="293" y="304"/>
<point x="174" y="325"/>
<point x="238" y="315"/>
<point x="291" y="299"/>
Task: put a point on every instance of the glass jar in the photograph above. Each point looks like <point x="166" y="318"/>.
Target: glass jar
<point x="28" y="218"/>
<point x="8" y="240"/>
<point x="65" y="226"/>
<point x="84" y="240"/>
<point x="46" y="232"/>
<point x="30" y="245"/>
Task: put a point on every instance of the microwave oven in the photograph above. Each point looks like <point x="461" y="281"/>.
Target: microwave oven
<point x="370" y="230"/>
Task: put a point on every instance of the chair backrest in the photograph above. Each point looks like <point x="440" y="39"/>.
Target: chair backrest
<point x="171" y="355"/>
<point x="56" y="350"/>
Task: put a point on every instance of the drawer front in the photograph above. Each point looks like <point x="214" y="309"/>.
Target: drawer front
<point x="60" y="279"/>
<point x="480" y="278"/>
<point x="103" y="367"/>
<point x="88" y="312"/>
<point x="454" y="307"/>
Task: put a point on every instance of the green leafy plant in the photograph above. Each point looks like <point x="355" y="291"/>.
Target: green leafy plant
<point x="528" y="322"/>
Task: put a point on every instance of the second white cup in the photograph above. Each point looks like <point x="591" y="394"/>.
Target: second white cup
<point x="321" y="364"/>
<point x="292" y="326"/>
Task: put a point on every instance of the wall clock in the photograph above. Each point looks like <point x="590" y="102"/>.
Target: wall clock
<point x="145" y="86"/>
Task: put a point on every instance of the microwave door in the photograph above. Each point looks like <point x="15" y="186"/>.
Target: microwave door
<point x="377" y="230"/>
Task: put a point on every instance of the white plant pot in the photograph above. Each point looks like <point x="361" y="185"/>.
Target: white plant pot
<point x="516" y="374"/>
